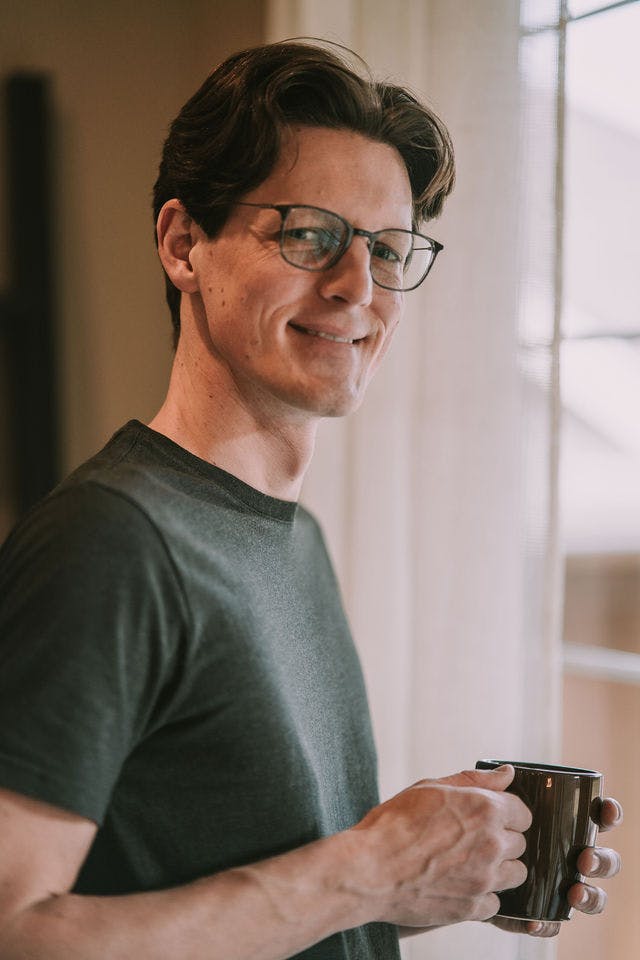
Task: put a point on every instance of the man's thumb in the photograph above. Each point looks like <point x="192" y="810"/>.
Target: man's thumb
<point x="497" y="778"/>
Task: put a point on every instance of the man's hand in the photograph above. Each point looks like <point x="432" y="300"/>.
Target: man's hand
<point x="600" y="862"/>
<point x="438" y="851"/>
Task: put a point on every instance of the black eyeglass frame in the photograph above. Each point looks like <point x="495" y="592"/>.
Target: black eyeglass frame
<point x="351" y="232"/>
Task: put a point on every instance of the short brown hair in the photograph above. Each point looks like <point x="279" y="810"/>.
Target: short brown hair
<point x="226" y="139"/>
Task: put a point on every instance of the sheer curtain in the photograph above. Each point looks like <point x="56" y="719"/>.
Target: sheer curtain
<point x="438" y="496"/>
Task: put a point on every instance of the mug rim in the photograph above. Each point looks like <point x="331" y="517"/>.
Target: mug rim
<point x="544" y="767"/>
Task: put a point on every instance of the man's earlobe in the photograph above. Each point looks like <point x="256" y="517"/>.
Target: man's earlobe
<point x="175" y="231"/>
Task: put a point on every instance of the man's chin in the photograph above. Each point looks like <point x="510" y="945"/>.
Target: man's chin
<point x="334" y="407"/>
<point x="321" y="404"/>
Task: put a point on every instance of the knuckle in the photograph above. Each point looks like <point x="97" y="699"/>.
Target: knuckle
<point x="489" y="848"/>
<point x="481" y="879"/>
<point x="477" y="885"/>
<point x="470" y="775"/>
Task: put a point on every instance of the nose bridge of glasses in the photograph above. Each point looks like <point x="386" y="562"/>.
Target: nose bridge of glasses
<point x="350" y="234"/>
<point x="349" y="271"/>
<point x="368" y="236"/>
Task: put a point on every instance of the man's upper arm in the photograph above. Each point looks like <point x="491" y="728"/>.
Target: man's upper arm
<point x="88" y="639"/>
<point x="41" y="851"/>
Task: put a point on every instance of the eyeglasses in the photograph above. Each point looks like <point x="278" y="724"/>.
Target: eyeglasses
<point x="314" y="239"/>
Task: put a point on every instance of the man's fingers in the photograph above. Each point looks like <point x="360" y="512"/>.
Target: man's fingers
<point x="511" y="874"/>
<point x="520" y="818"/>
<point x="508" y="925"/>
<point x="487" y="906"/>
<point x="516" y="815"/>
<point x="533" y="928"/>
<point x="587" y="899"/>
<point x="498" y="778"/>
<point x="610" y="814"/>
<point x="599" y="862"/>
<point x="515" y="845"/>
<point x="542" y="928"/>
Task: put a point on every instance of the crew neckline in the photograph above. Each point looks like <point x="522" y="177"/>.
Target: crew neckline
<point x="255" y="499"/>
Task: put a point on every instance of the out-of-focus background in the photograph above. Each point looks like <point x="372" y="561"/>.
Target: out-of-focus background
<point x="483" y="508"/>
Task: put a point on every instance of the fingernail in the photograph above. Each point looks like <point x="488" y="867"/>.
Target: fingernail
<point x="618" y="808"/>
<point x="584" y="896"/>
<point x="535" y="927"/>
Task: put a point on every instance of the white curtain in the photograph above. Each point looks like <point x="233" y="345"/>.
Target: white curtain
<point x="438" y="497"/>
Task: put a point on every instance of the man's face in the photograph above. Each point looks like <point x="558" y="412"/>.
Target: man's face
<point x="261" y="316"/>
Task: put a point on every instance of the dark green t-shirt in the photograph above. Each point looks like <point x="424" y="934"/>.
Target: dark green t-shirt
<point x="175" y="664"/>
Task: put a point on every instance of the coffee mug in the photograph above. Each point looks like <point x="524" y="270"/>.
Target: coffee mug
<point x="565" y="803"/>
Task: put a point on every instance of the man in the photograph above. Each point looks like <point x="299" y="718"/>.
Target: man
<point x="185" y="748"/>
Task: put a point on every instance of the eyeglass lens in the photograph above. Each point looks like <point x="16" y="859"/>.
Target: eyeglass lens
<point x="314" y="239"/>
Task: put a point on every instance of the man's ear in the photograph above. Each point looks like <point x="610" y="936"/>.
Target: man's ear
<point x="177" y="233"/>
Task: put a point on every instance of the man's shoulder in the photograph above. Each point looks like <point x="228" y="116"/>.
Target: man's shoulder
<point x="89" y="542"/>
<point x="140" y="471"/>
<point x="141" y="490"/>
<point x="101" y="505"/>
<point x="130" y="464"/>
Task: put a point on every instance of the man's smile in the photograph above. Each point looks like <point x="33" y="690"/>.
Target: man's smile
<point x="325" y="335"/>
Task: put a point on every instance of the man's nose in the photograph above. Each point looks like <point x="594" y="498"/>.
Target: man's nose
<point x="350" y="278"/>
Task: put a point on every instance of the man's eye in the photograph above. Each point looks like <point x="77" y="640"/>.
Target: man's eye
<point x="382" y="251"/>
<point x="314" y="237"/>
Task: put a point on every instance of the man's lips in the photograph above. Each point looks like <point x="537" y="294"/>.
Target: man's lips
<point x="324" y="334"/>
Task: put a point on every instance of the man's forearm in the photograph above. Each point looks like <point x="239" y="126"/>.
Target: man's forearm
<point x="432" y="855"/>
<point x="266" y="911"/>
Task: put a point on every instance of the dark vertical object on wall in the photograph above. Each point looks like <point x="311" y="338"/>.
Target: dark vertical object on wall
<point x="28" y="306"/>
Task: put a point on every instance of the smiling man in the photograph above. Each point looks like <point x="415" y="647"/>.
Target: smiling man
<point x="186" y="760"/>
<point x="274" y="347"/>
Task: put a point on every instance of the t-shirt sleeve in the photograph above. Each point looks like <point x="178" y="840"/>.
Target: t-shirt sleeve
<point x="91" y="622"/>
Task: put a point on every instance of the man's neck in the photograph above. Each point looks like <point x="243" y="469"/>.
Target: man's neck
<point x="210" y="420"/>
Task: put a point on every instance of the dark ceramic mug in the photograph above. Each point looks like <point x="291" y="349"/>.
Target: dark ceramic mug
<point x="565" y="803"/>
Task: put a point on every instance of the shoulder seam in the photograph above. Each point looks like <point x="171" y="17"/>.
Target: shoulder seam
<point x="132" y="443"/>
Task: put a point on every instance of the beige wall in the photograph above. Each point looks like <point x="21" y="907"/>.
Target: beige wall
<point x="601" y="730"/>
<point x="120" y="72"/>
<point x="602" y="724"/>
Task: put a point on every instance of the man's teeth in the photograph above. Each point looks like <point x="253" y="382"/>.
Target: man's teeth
<point x="328" y="336"/>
